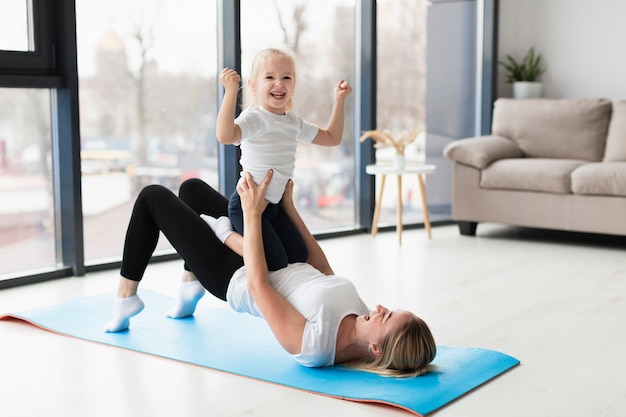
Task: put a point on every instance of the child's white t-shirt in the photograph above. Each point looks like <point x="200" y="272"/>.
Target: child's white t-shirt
<point x="269" y="141"/>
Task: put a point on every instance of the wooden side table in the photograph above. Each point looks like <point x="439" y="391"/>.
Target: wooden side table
<point x="383" y="170"/>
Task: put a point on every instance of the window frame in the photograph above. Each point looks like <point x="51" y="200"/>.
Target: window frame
<point x="53" y="66"/>
<point x="34" y="69"/>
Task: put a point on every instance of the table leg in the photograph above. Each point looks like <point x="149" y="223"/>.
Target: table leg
<point x="379" y="201"/>
<point x="399" y="210"/>
<point x="420" y="179"/>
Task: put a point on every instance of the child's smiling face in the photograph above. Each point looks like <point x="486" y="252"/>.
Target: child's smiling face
<point x="275" y="84"/>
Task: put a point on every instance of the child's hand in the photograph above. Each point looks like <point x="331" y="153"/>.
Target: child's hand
<point x="343" y="89"/>
<point x="230" y="80"/>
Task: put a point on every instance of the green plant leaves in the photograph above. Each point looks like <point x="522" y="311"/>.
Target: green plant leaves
<point x="529" y="69"/>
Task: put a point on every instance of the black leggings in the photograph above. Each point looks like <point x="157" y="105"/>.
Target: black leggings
<point x="158" y="209"/>
<point x="282" y="242"/>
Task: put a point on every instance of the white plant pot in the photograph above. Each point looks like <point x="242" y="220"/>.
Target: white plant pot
<point x="399" y="161"/>
<point x="527" y="89"/>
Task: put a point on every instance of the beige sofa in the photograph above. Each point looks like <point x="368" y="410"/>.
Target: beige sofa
<point x="549" y="163"/>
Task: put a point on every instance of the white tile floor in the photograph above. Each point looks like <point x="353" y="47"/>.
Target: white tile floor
<point x="555" y="301"/>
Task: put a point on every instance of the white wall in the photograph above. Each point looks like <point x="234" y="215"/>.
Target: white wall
<point x="583" y="43"/>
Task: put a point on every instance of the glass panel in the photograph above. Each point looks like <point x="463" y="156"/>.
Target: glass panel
<point x="27" y="227"/>
<point x="147" y="105"/>
<point x="15" y="30"/>
<point x="401" y="97"/>
<point x="451" y="111"/>
<point x="322" y="37"/>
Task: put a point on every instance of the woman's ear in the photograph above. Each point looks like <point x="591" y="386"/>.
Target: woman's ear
<point x="375" y="349"/>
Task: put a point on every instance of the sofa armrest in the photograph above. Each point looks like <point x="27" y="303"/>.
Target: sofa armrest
<point x="481" y="151"/>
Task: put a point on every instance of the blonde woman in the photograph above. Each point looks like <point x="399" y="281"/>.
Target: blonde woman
<point x="317" y="317"/>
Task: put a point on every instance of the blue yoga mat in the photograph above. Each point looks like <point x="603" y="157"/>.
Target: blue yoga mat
<point x="244" y="345"/>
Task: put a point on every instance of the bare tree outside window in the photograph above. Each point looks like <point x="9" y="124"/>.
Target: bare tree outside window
<point x="147" y="81"/>
<point x="297" y="15"/>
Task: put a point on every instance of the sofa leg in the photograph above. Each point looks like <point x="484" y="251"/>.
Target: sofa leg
<point x="468" y="228"/>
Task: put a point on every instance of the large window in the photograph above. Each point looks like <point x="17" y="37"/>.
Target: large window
<point x="27" y="226"/>
<point x="322" y="37"/>
<point x="401" y="96"/>
<point x="88" y="116"/>
<point x="147" y="107"/>
<point x="29" y="234"/>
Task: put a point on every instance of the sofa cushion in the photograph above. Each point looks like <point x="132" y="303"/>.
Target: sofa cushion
<point x="554" y="128"/>
<point x="602" y="178"/>
<point x="530" y="174"/>
<point x="481" y="151"/>
<point x="616" y="139"/>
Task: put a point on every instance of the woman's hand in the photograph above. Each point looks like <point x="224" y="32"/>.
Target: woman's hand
<point x="252" y="196"/>
<point x="287" y="200"/>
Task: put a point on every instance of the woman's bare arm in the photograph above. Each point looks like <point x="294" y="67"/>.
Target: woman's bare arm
<point x="317" y="257"/>
<point x="286" y="322"/>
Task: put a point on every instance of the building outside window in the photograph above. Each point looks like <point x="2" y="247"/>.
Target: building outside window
<point x="147" y="82"/>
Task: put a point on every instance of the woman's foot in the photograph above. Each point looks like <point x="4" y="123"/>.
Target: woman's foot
<point x="123" y="310"/>
<point x="188" y="296"/>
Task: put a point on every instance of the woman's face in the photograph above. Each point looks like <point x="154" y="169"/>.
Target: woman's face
<point x="381" y="322"/>
<point x="275" y="85"/>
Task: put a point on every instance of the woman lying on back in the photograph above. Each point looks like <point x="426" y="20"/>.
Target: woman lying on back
<point x="317" y="317"/>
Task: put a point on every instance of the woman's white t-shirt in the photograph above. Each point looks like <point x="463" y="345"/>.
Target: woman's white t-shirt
<point x="323" y="300"/>
<point x="269" y="141"/>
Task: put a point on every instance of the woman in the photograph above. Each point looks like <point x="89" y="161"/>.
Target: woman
<point x="319" y="319"/>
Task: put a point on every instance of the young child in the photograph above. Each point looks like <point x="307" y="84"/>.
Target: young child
<point x="268" y="132"/>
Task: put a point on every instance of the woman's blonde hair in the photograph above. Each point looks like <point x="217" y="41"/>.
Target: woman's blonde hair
<point x="406" y="352"/>
<point x="249" y="98"/>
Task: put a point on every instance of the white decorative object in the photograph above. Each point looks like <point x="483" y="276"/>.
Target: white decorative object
<point x="527" y="89"/>
<point x="382" y="138"/>
<point x="399" y="161"/>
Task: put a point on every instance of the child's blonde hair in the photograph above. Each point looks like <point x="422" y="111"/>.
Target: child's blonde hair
<point x="249" y="98"/>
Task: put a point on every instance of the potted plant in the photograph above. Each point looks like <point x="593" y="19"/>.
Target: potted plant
<point x="525" y="75"/>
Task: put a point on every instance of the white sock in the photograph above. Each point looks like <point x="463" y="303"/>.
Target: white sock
<point x="123" y="310"/>
<point x="188" y="296"/>
<point x="222" y="227"/>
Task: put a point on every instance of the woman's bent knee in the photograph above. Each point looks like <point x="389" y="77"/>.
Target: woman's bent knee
<point x="189" y="185"/>
<point x="150" y="191"/>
